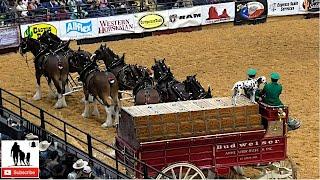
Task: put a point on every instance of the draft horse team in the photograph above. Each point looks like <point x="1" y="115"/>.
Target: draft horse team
<point x="54" y="60"/>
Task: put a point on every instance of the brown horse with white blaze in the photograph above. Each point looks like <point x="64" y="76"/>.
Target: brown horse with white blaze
<point x="52" y="64"/>
<point x="103" y="86"/>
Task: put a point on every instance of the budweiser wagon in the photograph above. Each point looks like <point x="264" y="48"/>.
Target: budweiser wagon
<point x="207" y="138"/>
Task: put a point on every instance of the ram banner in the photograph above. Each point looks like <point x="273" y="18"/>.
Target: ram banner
<point x="35" y="30"/>
<point x="185" y="17"/>
<point x="217" y="13"/>
<point x="78" y="29"/>
<point x="115" y="25"/>
<point x="283" y="7"/>
<point x="151" y="21"/>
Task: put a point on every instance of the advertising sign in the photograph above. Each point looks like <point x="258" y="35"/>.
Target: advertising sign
<point x="9" y="37"/>
<point x="251" y="12"/>
<point x="151" y="21"/>
<point x="36" y="30"/>
<point x="310" y="6"/>
<point x="216" y="13"/>
<point x="78" y="29"/>
<point x="185" y="17"/>
<point x="283" y="7"/>
<point x="113" y="25"/>
<point x="20" y="159"/>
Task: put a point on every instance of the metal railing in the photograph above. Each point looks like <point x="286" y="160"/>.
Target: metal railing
<point x="40" y="121"/>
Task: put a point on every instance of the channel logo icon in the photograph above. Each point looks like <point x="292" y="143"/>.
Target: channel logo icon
<point x="20" y="159"/>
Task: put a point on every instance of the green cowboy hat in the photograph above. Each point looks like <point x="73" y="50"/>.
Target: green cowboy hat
<point x="275" y="75"/>
<point x="251" y="72"/>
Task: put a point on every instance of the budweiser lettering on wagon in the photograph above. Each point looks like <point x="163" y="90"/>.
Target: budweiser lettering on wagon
<point x="247" y="144"/>
<point x="115" y="25"/>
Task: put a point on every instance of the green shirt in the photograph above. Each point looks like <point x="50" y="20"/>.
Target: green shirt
<point x="272" y="92"/>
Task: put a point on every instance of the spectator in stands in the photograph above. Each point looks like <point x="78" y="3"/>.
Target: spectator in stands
<point x="58" y="171"/>
<point x="52" y="5"/>
<point x="87" y="173"/>
<point x="62" y="3"/>
<point x="32" y="7"/>
<point x="21" y="8"/>
<point x="63" y="13"/>
<point x="44" y="151"/>
<point x="68" y="160"/>
<point x="78" y="167"/>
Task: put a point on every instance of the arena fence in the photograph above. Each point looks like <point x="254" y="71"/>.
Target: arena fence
<point x="71" y="138"/>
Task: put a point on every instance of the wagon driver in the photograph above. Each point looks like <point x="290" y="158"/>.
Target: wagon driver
<point x="271" y="95"/>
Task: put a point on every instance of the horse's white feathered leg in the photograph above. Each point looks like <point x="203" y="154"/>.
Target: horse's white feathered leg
<point x="59" y="104"/>
<point x="108" y="122"/>
<point x="37" y="95"/>
<point x="52" y="90"/>
<point x="64" y="103"/>
<point x="253" y="96"/>
<point x="85" y="113"/>
<point x="95" y="111"/>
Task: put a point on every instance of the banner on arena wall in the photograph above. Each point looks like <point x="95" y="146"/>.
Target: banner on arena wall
<point x="216" y="13"/>
<point x="309" y="6"/>
<point x="283" y="7"/>
<point x="185" y="17"/>
<point x="78" y="29"/>
<point x="9" y="37"/>
<point x="114" y="25"/>
<point x="151" y="21"/>
<point x="250" y="12"/>
<point x="35" y="30"/>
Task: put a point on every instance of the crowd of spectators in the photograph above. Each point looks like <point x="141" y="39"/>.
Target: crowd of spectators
<point x="55" y="166"/>
<point x="49" y="10"/>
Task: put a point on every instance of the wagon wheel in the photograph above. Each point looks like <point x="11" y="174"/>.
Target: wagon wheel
<point x="181" y="171"/>
<point x="285" y="169"/>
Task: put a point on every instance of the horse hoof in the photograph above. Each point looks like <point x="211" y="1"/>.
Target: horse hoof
<point x="105" y="125"/>
<point x="85" y="115"/>
<point x="36" y="97"/>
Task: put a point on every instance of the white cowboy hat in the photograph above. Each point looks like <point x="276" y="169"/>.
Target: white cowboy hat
<point x="87" y="169"/>
<point x="31" y="136"/>
<point x="44" y="145"/>
<point x="79" y="164"/>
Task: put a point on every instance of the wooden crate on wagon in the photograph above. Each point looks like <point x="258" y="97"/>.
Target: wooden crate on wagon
<point x="187" y="118"/>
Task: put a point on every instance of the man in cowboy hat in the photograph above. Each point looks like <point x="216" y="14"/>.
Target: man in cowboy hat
<point x="77" y="166"/>
<point x="45" y="153"/>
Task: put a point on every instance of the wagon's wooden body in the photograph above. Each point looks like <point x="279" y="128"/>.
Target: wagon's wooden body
<point x="215" y="146"/>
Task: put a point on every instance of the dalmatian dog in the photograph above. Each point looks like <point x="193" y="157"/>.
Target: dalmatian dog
<point x="249" y="86"/>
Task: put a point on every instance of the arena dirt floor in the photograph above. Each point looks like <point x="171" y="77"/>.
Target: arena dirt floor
<point x="220" y="56"/>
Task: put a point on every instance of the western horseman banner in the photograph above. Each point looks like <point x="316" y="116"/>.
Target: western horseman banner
<point x="9" y="37"/>
<point x="35" y="30"/>
<point x="78" y="29"/>
<point x="185" y="17"/>
<point x="114" y="25"/>
<point x="151" y="21"/>
<point x="216" y="13"/>
<point x="250" y="12"/>
<point x="283" y="7"/>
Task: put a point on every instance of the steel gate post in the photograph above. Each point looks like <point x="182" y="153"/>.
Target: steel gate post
<point x="42" y="125"/>
<point x="89" y="146"/>
<point x="145" y="172"/>
<point x="1" y="103"/>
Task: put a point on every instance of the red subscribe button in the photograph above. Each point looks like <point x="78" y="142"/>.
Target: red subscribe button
<point x="19" y="172"/>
